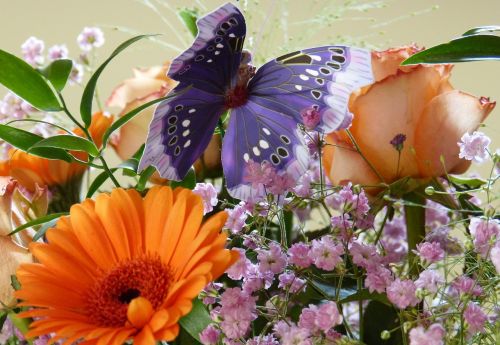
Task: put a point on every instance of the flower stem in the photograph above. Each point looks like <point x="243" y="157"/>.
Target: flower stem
<point x="415" y="226"/>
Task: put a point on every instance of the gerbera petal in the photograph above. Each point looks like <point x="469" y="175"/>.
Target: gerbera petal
<point x="139" y="312"/>
<point x="154" y="219"/>
<point x="92" y="236"/>
<point x="115" y="227"/>
<point x="174" y="226"/>
<point x="145" y="337"/>
<point x="168" y="334"/>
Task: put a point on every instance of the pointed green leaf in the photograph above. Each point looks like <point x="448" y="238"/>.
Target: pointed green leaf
<point x="197" y="320"/>
<point x="38" y="221"/>
<point x="98" y="181"/>
<point x="480" y="29"/>
<point x="24" y="140"/>
<point x="68" y="142"/>
<point x="88" y="92"/>
<point x="46" y="226"/>
<point x="58" y="73"/>
<point x="22" y="79"/>
<point x="188" y="182"/>
<point x="189" y="18"/>
<point x="470" y="182"/>
<point x="463" y="49"/>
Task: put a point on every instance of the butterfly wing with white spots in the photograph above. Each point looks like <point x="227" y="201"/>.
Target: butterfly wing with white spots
<point x="182" y="126"/>
<point x="265" y="128"/>
<point x="319" y="78"/>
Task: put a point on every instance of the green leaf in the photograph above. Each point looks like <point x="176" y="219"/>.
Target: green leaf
<point x="129" y="165"/>
<point x="145" y="175"/>
<point x="364" y="295"/>
<point x="38" y="221"/>
<point x="379" y="317"/>
<point x="131" y="114"/>
<point x="68" y="142"/>
<point x="58" y="73"/>
<point x="88" y="92"/>
<point x="197" y="320"/>
<point x="189" y="18"/>
<point x="480" y="29"/>
<point x="22" y="79"/>
<point x="471" y="182"/>
<point x="14" y="282"/>
<point x="43" y="229"/>
<point x="463" y="49"/>
<point x="188" y="182"/>
<point x="24" y="140"/>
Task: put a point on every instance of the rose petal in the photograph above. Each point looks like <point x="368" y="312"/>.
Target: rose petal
<point x="445" y="119"/>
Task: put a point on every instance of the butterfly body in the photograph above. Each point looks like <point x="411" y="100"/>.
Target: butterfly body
<point x="265" y="106"/>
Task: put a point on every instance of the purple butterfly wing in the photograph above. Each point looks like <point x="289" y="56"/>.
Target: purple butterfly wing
<point x="183" y="125"/>
<point x="323" y="77"/>
<point x="265" y="128"/>
<point x="260" y="134"/>
<point x="211" y="63"/>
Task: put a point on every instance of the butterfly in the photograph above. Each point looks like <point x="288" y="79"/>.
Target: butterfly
<point x="265" y="106"/>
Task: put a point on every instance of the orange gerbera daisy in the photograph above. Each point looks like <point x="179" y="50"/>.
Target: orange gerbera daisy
<point x="123" y="267"/>
<point x="30" y="170"/>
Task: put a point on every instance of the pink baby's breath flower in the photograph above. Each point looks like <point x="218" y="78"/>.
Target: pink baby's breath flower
<point x="288" y="280"/>
<point x="281" y="183"/>
<point x="90" y="38"/>
<point x="236" y="218"/>
<point x="32" y="50"/>
<point x="307" y="319"/>
<point x="259" y="174"/>
<point x="272" y="260"/>
<point x="295" y="336"/>
<point x="328" y="316"/>
<point x="365" y="256"/>
<point x="495" y="256"/>
<point x="12" y="107"/>
<point x="474" y="147"/>
<point x="402" y="293"/>
<point x="263" y="340"/>
<point x="208" y="194"/>
<point x="436" y="214"/>
<point x="76" y="75"/>
<point x="475" y="318"/>
<point x="395" y="228"/>
<point x="310" y="117"/>
<point x="210" y="335"/>
<point x="432" y="336"/>
<point x="430" y="251"/>
<point x="325" y="253"/>
<point x="429" y="280"/>
<point x="240" y="268"/>
<point x="378" y="279"/>
<point x="299" y="255"/>
<point x="484" y="232"/>
<point x="467" y="285"/>
<point x="313" y="141"/>
<point x="57" y="52"/>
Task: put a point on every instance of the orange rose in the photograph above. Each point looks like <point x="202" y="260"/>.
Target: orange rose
<point x="146" y="85"/>
<point x="416" y="101"/>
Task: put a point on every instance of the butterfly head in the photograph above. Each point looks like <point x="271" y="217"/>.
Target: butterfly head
<point x="237" y="95"/>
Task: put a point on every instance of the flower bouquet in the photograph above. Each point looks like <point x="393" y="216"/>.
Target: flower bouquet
<point x="316" y="199"/>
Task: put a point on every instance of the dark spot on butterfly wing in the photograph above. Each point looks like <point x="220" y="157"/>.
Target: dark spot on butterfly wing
<point x="275" y="159"/>
<point x="316" y="94"/>
<point x="295" y="58"/>
<point x="339" y="58"/>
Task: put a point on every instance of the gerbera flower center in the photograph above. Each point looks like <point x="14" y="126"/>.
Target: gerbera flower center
<point x="107" y="300"/>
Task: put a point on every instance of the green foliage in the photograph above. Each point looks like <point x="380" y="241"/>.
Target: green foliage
<point x="188" y="182"/>
<point x="24" y="140"/>
<point x="58" y="73"/>
<point x="463" y="49"/>
<point x="27" y="83"/>
<point x="189" y="18"/>
<point x="196" y="321"/>
<point x="68" y="142"/>
<point x="38" y="221"/>
<point x="88" y="92"/>
<point x="379" y="317"/>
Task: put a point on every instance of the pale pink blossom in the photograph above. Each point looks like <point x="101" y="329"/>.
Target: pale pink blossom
<point x="32" y="50"/>
<point x="402" y="293"/>
<point x="432" y="336"/>
<point x="475" y="318"/>
<point x="473" y="147"/>
<point x="325" y="253"/>
<point x="208" y="194"/>
<point x="90" y="38"/>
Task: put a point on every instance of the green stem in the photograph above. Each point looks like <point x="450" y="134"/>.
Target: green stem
<point x="110" y="173"/>
<point x="415" y="227"/>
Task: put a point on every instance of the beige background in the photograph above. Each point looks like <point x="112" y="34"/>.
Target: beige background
<point x="276" y="26"/>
